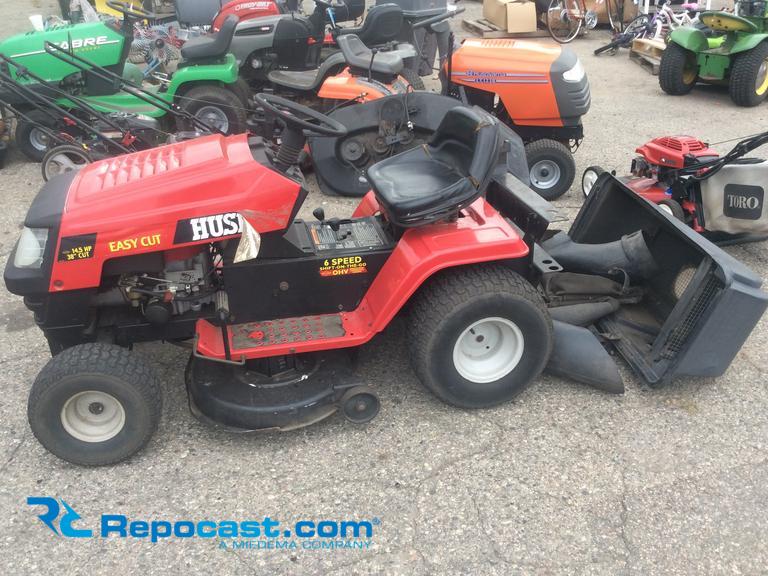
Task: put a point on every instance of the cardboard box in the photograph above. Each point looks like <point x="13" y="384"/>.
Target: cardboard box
<point x="511" y="15"/>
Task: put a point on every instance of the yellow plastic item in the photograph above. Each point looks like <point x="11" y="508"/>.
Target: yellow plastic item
<point x="101" y="6"/>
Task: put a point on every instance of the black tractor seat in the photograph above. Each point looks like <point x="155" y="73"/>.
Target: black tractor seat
<point x="306" y="79"/>
<point x="434" y="181"/>
<point x="358" y="56"/>
<point x="382" y="25"/>
<point x="211" y="46"/>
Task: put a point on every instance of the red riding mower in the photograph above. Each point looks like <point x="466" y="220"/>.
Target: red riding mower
<point x="198" y="242"/>
<point x="721" y="197"/>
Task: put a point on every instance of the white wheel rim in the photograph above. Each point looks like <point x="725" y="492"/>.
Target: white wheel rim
<point x="666" y="209"/>
<point x="588" y="181"/>
<point x="545" y="174"/>
<point x="93" y="416"/>
<point x="488" y="350"/>
<point x="38" y="139"/>
<point x="63" y="163"/>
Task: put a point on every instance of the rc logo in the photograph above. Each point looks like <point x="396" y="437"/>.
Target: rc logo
<point x="52" y="511"/>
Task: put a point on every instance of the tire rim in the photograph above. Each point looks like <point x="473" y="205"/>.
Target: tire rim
<point x="214" y="117"/>
<point x="38" y="139"/>
<point x="761" y="81"/>
<point x="667" y="209"/>
<point x="93" y="416"/>
<point x="588" y="181"/>
<point x="488" y="350"/>
<point x="545" y="174"/>
<point x="64" y="162"/>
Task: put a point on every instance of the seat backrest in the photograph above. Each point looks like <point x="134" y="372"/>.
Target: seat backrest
<point x="197" y="12"/>
<point x="468" y="140"/>
<point x="210" y="47"/>
<point x="382" y="24"/>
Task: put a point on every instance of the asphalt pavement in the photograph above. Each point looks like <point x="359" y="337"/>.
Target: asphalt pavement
<point x="563" y="480"/>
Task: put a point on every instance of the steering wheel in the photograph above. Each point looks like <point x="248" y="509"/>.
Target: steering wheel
<point x="128" y="10"/>
<point x="294" y="115"/>
<point x="324" y="3"/>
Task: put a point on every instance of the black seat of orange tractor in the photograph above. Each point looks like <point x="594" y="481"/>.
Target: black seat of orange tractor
<point x="382" y="25"/>
<point x="213" y="45"/>
<point x="359" y="56"/>
<point x="436" y="180"/>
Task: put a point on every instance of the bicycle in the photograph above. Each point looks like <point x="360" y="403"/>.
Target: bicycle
<point x="565" y="18"/>
<point x="656" y="28"/>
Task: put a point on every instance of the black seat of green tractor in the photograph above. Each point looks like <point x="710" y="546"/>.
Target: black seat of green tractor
<point x="435" y="180"/>
<point x="382" y="24"/>
<point x="211" y="46"/>
<point x="360" y="57"/>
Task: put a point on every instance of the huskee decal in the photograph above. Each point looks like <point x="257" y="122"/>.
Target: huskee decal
<point x="207" y="227"/>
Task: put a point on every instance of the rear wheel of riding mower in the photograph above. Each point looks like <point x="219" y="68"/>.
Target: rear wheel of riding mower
<point x="678" y="70"/>
<point x="63" y="159"/>
<point x="30" y="140"/>
<point x="551" y="167"/>
<point x="749" y="76"/>
<point x="94" y="404"/>
<point x="478" y="335"/>
<point x="218" y="107"/>
<point x="413" y="78"/>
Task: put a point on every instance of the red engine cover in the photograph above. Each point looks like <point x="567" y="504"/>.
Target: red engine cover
<point x="671" y="151"/>
<point x="245" y="10"/>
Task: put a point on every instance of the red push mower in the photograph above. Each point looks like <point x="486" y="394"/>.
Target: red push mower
<point x="198" y="243"/>
<point x="721" y="197"/>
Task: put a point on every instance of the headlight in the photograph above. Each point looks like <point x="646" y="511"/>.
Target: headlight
<point x="575" y="74"/>
<point x="31" y="247"/>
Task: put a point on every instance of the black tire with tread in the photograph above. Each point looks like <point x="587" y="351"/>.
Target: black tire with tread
<point x="744" y="69"/>
<point x="95" y="366"/>
<point x="453" y="299"/>
<point x="671" y="70"/>
<point x="24" y="130"/>
<point x="228" y="100"/>
<point x="546" y="149"/>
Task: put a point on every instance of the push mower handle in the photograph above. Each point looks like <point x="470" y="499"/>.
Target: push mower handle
<point x="435" y="19"/>
<point x="128" y="10"/>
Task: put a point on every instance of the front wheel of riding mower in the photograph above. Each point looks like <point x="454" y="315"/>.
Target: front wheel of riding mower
<point x="30" y="140"/>
<point x="217" y="106"/>
<point x="678" y="70"/>
<point x="749" y="76"/>
<point x="94" y="404"/>
<point x="478" y="335"/>
<point x="551" y="167"/>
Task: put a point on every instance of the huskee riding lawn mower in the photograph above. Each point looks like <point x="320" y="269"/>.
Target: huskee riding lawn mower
<point x="198" y="242"/>
<point x="721" y="197"/>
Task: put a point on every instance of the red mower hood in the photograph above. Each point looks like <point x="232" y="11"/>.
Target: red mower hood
<point x="193" y="192"/>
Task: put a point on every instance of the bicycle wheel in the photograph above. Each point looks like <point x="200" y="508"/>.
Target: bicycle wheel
<point x="564" y="19"/>
<point x="615" y="11"/>
<point x="640" y="27"/>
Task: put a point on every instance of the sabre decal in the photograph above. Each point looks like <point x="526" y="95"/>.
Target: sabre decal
<point x="77" y="44"/>
<point x="208" y="227"/>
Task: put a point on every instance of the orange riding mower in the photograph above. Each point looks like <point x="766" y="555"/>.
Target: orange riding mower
<point x="539" y="90"/>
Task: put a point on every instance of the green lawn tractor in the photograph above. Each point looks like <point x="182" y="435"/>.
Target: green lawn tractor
<point x="738" y="56"/>
<point x="205" y="84"/>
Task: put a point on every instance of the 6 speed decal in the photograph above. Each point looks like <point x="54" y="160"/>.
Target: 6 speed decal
<point x="77" y="247"/>
<point x="343" y="266"/>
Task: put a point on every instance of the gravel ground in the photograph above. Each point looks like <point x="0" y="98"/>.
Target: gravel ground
<point x="564" y="480"/>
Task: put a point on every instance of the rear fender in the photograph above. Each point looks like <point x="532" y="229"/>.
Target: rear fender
<point x="691" y="39"/>
<point x="746" y="42"/>
<point x="225" y="72"/>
